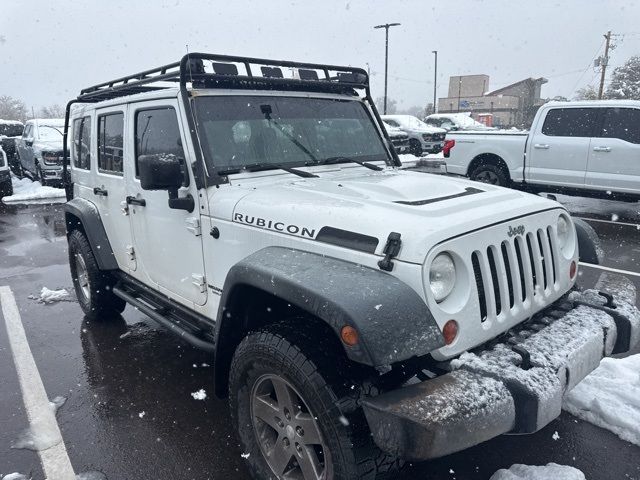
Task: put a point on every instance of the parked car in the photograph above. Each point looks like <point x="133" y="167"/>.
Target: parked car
<point x="332" y="289"/>
<point x="399" y="139"/>
<point x="6" y="187"/>
<point x="589" y="148"/>
<point x="453" y="122"/>
<point x="10" y="132"/>
<point x="422" y="137"/>
<point x="40" y="150"/>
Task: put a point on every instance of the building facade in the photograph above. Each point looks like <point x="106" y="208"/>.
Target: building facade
<point x="512" y="106"/>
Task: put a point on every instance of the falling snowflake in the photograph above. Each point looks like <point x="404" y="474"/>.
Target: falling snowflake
<point x="199" y="395"/>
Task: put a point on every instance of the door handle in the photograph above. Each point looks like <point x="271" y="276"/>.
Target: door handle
<point x="601" y="149"/>
<point x="100" y="191"/>
<point x="136" y="201"/>
<point x="541" y="146"/>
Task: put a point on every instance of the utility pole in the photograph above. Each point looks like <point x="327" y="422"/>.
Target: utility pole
<point x="604" y="63"/>
<point x="386" y="26"/>
<point x="435" y="81"/>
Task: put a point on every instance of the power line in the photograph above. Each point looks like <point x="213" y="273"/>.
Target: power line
<point x="590" y="64"/>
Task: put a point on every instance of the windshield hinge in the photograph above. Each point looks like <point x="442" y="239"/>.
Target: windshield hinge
<point x="193" y="225"/>
<point x="391" y="250"/>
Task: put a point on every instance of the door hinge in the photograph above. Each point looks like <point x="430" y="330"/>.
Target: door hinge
<point x="199" y="281"/>
<point x="193" y="225"/>
<point x="131" y="254"/>
<point x="391" y="250"/>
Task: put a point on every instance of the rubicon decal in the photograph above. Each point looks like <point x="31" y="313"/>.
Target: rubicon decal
<point x="274" y="225"/>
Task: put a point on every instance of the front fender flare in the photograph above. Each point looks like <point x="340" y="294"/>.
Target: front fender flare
<point x="79" y="210"/>
<point x="392" y="320"/>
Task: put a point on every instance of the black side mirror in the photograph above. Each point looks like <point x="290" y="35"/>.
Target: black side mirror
<point x="159" y="172"/>
<point x="163" y="172"/>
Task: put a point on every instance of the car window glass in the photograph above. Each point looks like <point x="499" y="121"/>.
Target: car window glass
<point x="570" y="122"/>
<point x="622" y="123"/>
<point x="27" y="131"/>
<point x="157" y="133"/>
<point x="110" y="151"/>
<point x="81" y="151"/>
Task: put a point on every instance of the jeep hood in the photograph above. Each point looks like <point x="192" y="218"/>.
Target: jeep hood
<point x="425" y="209"/>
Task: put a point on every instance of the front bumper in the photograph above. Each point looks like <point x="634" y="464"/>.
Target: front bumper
<point x="515" y="385"/>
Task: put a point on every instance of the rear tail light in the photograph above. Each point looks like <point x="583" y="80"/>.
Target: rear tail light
<point x="448" y="145"/>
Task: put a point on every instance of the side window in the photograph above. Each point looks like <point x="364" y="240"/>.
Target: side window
<point x="81" y="153"/>
<point x="27" y="131"/>
<point x="570" y="122"/>
<point x="157" y="133"/>
<point x="110" y="151"/>
<point x="622" y="123"/>
<point x="393" y="123"/>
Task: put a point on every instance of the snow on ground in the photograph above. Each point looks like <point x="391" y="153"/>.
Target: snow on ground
<point x="52" y="296"/>
<point x="610" y="397"/>
<point x="551" y="471"/>
<point x="199" y="395"/>
<point x="40" y="435"/>
<point x="15" y="476"/>
<point x="25" y="189"/>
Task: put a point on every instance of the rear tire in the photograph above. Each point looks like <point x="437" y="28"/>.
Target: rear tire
<point x="322" y="389"/>
<point x="491" y="173"/>
<point x="92" y="285"/>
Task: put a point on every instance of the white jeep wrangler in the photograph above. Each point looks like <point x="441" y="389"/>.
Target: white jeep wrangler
<point x="266" y="220"/>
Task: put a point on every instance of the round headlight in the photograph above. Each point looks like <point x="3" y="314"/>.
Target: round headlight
<point x="564" y="231"/>
<point x="442" y="276"/>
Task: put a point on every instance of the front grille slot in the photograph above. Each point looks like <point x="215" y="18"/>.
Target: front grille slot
<point x="518" y="270"/>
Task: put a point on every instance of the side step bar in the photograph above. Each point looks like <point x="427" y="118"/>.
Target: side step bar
<point x="165" y="322"/>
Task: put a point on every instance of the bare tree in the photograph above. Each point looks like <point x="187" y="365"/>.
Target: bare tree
<point x="52" y="111"/>
<point x="392" y="105"/>
<point x="12" y="108"/>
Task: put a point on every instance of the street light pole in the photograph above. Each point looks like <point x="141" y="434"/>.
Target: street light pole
<point x="435" y="81"/>
<point x="386" y="26"/>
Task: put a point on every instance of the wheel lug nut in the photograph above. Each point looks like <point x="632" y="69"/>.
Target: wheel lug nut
<point x="287" y="415"/>
<point x="300" y="431"/>
<point x="280" y="423"/>
<point x="286" y="442"/>
<point x="298" y="448"/>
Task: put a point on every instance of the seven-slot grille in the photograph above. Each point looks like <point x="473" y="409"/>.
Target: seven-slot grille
<point x="515" y="272"/>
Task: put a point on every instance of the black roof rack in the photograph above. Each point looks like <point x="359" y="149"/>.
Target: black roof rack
<point x="203" y="70"/>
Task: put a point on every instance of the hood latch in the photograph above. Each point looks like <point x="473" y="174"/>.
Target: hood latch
<point x="391" y="250"/>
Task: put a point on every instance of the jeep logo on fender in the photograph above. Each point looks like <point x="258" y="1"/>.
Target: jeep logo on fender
<point x="519" y="230"/>
<point x="274" y="225"/>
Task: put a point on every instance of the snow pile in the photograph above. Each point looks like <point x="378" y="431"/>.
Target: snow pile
<point x="551" y="471"/>
<point x="42" y="434"/>
<point x="16" y="476"/>
<point x="199" y="395"/>
<point x="25" y="190"/>
<point x="52" y="296"/>
<point x="91" y="476"/>
<point x="610" y="397"/>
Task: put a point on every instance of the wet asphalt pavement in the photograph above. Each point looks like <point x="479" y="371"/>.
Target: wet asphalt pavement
<point x="129" y="411"/>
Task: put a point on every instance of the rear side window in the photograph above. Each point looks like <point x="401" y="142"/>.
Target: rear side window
<point x="82" y="143"/>
<point x="570" y="122"/>
<point x="110" y="151"/>
<point x="157" y="133"/>
<point x="622" y="123"/>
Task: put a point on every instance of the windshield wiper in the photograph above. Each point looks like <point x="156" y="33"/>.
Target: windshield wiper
<point x="330" y="160"/>
<point x="254" y="167"/>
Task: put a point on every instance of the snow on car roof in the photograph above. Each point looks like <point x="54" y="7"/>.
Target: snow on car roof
<point x="462" y="119"/>
<point x="10" y="122"/>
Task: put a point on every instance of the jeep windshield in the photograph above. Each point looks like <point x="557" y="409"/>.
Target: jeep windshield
<point x="238" y="132"/>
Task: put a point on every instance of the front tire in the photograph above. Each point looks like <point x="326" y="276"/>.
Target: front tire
<point x="415" y="147"/>
<point x="490" y="173"/>
<point x="6" y="189"/>
<point x="295" y="409"/>
<point x="92" y="285"/>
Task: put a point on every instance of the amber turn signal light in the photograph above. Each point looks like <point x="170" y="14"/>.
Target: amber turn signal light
<point x="450" y="331"/>
<point x="349" y="335"/>
<point x="573" y="269"/>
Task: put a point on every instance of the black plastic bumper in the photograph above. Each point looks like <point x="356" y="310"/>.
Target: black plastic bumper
<point x="515" y="385"/>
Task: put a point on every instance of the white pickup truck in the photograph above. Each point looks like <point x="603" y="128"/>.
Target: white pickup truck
<point x="587" y="148"/>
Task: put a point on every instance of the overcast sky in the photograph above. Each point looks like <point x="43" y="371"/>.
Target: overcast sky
<point x="49" y="50"/>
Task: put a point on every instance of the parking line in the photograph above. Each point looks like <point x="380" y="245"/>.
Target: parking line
<point x="609" y="269"/>
<point x="625" y="224"/>
<point x="55" y="460"/>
